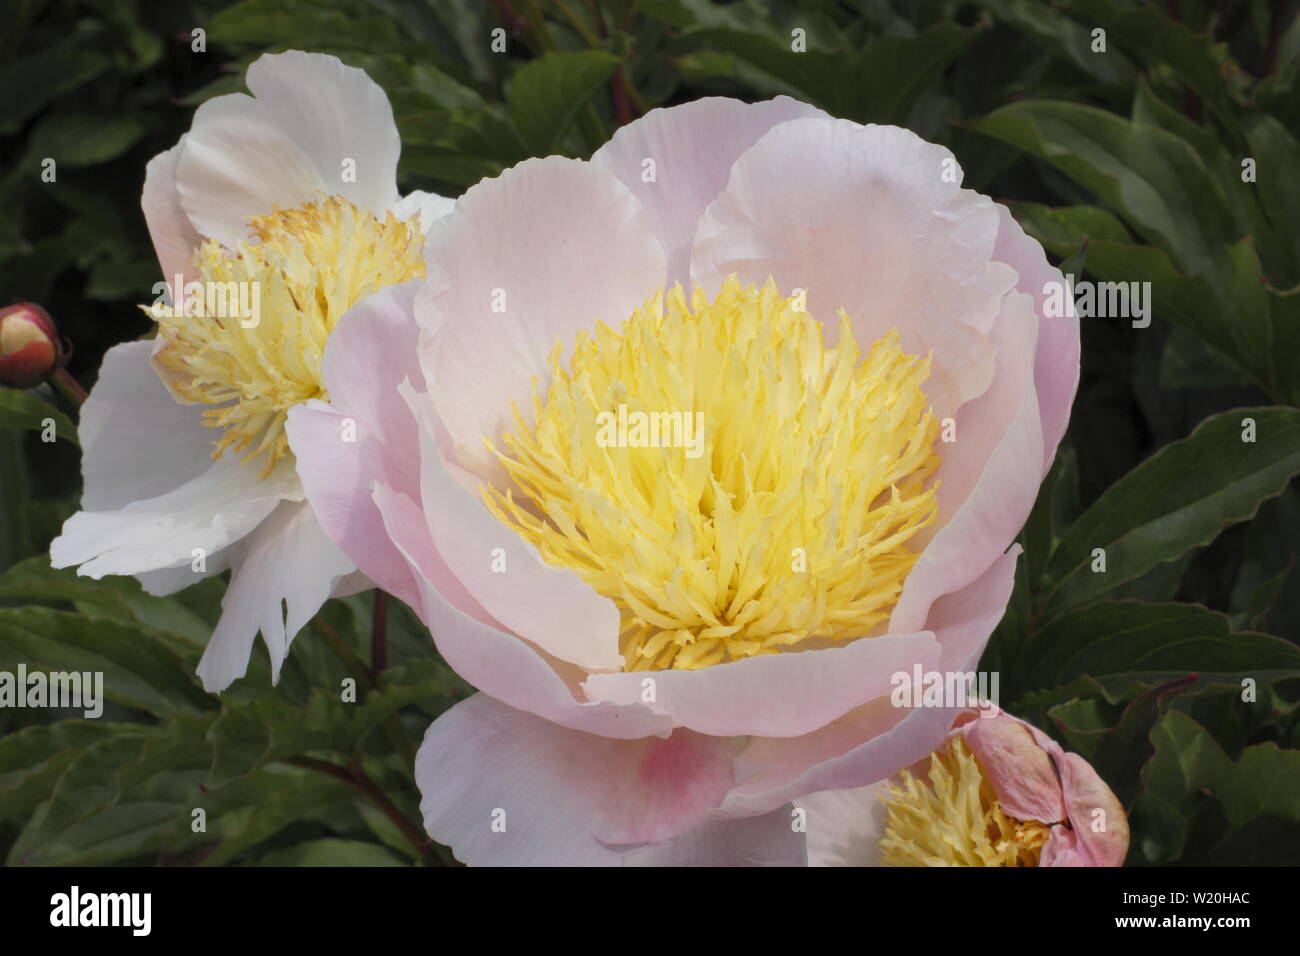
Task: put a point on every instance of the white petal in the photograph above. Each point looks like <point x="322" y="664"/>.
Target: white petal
<point x="174" y="236"/>
<point x="429" y="206"/>
<point x="136" y="441"/>
<point x="170" y="580"/>
<point x="312" y="126"/>
<point x="845" y="826"/>
<point x="206" y="514"/>
<point x="288" y="561"/>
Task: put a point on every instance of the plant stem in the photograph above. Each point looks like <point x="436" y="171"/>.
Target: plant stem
<point x="68" y="387"/>
<point x="354" y="776"/>
<point x="391" y="724"/>
<point x="575" y="21"/>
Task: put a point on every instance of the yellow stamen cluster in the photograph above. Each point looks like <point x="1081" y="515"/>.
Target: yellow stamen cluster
<point x="953" y="818"/>
<point x="788" y="521"/>
<point x="308" y="266"/>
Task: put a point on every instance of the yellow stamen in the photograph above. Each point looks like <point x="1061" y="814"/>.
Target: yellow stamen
<point x="789" y="520"/>
<point x="953" y="818"/>
<point x="308" y="267"/>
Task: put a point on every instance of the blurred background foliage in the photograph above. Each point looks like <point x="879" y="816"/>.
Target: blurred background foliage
<point x="1126" y="164"/>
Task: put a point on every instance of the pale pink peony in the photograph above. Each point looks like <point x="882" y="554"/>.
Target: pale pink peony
<point x="585" y="762"/>
<point x="1011" y="797"/>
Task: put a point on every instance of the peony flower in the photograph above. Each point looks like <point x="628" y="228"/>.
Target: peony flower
<point x="273" y="215"/>
<point x="996" y="792"/>
<point x="29" y="345"/>
<point x="680" y="624"/>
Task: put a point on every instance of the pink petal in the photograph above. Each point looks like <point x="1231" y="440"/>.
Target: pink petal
<point x="774" y="695"/>
<point x="377" y="333"/>
<point x="1021" y="771"/>
<point x="693" y="147"/>
<point x="874" y="741"/>
<point x="567" y="245"/>
<point x="1056" y="368"/>
<point x="493" y="660"/>
<point x="551" y="607"/>
<point x="1086" y="793"/>
<point x="983" y="475"/>
<point x="862" y="219"/>
<point x="568" y="798"/>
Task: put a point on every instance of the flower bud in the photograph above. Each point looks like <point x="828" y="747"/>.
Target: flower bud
<point x="29" y="345"/>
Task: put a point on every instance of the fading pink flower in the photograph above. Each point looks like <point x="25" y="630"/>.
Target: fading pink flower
<point x="997" y="792"/>
<point x="672" y="646"/>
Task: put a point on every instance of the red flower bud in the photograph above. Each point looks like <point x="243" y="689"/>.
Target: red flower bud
<point x="29" y="345"/>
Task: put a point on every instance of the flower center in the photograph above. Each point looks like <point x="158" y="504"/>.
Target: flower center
<point x="953" y="818"/>
<point x="252" y="341"/>
<point x="732" y="484"/>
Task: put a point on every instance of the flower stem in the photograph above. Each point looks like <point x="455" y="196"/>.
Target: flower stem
<point x="354" y="776"/>
<point x="68" y="387"/>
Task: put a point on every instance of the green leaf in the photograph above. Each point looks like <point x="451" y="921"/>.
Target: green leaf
<point x="140" y="670"/>
<point x="19" y="409"/>
<point x="84" y="139"/>
<point x="1119" y="753"/>
<point x="1123" y="642"/>
<point x="415" y="682"/>
<point x="1179" y="498"/>
<point x="332" y="853"/>
<point x="33" y="758"/>
<point x="1186" y="760"/>
<point x="544" y="95"/>
<point x="161" y="763"/>
<point x="1067" y="39"/>
<point x="1277" y="157"/>
<point x="261" y="805"/>
<point x="248" y="735"/>
<point x="15" y="500"/>
<point x="1153" y="178"/>
<point x="1264" y="782"/>
<point x="879" y="84"/>
<point x="28" y="84"/>
<point x="1284" y="309"/>
<point x="131" y="797"/>
<point x="1232" y="318"/>
<point x="1158" y="830"/>
<point x="1152" y="38"/>
<point x="304" y="25"/>
<point x="1064" y="229"/>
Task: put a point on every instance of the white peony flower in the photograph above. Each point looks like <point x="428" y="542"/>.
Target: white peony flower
<point x="290" y="194"/>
